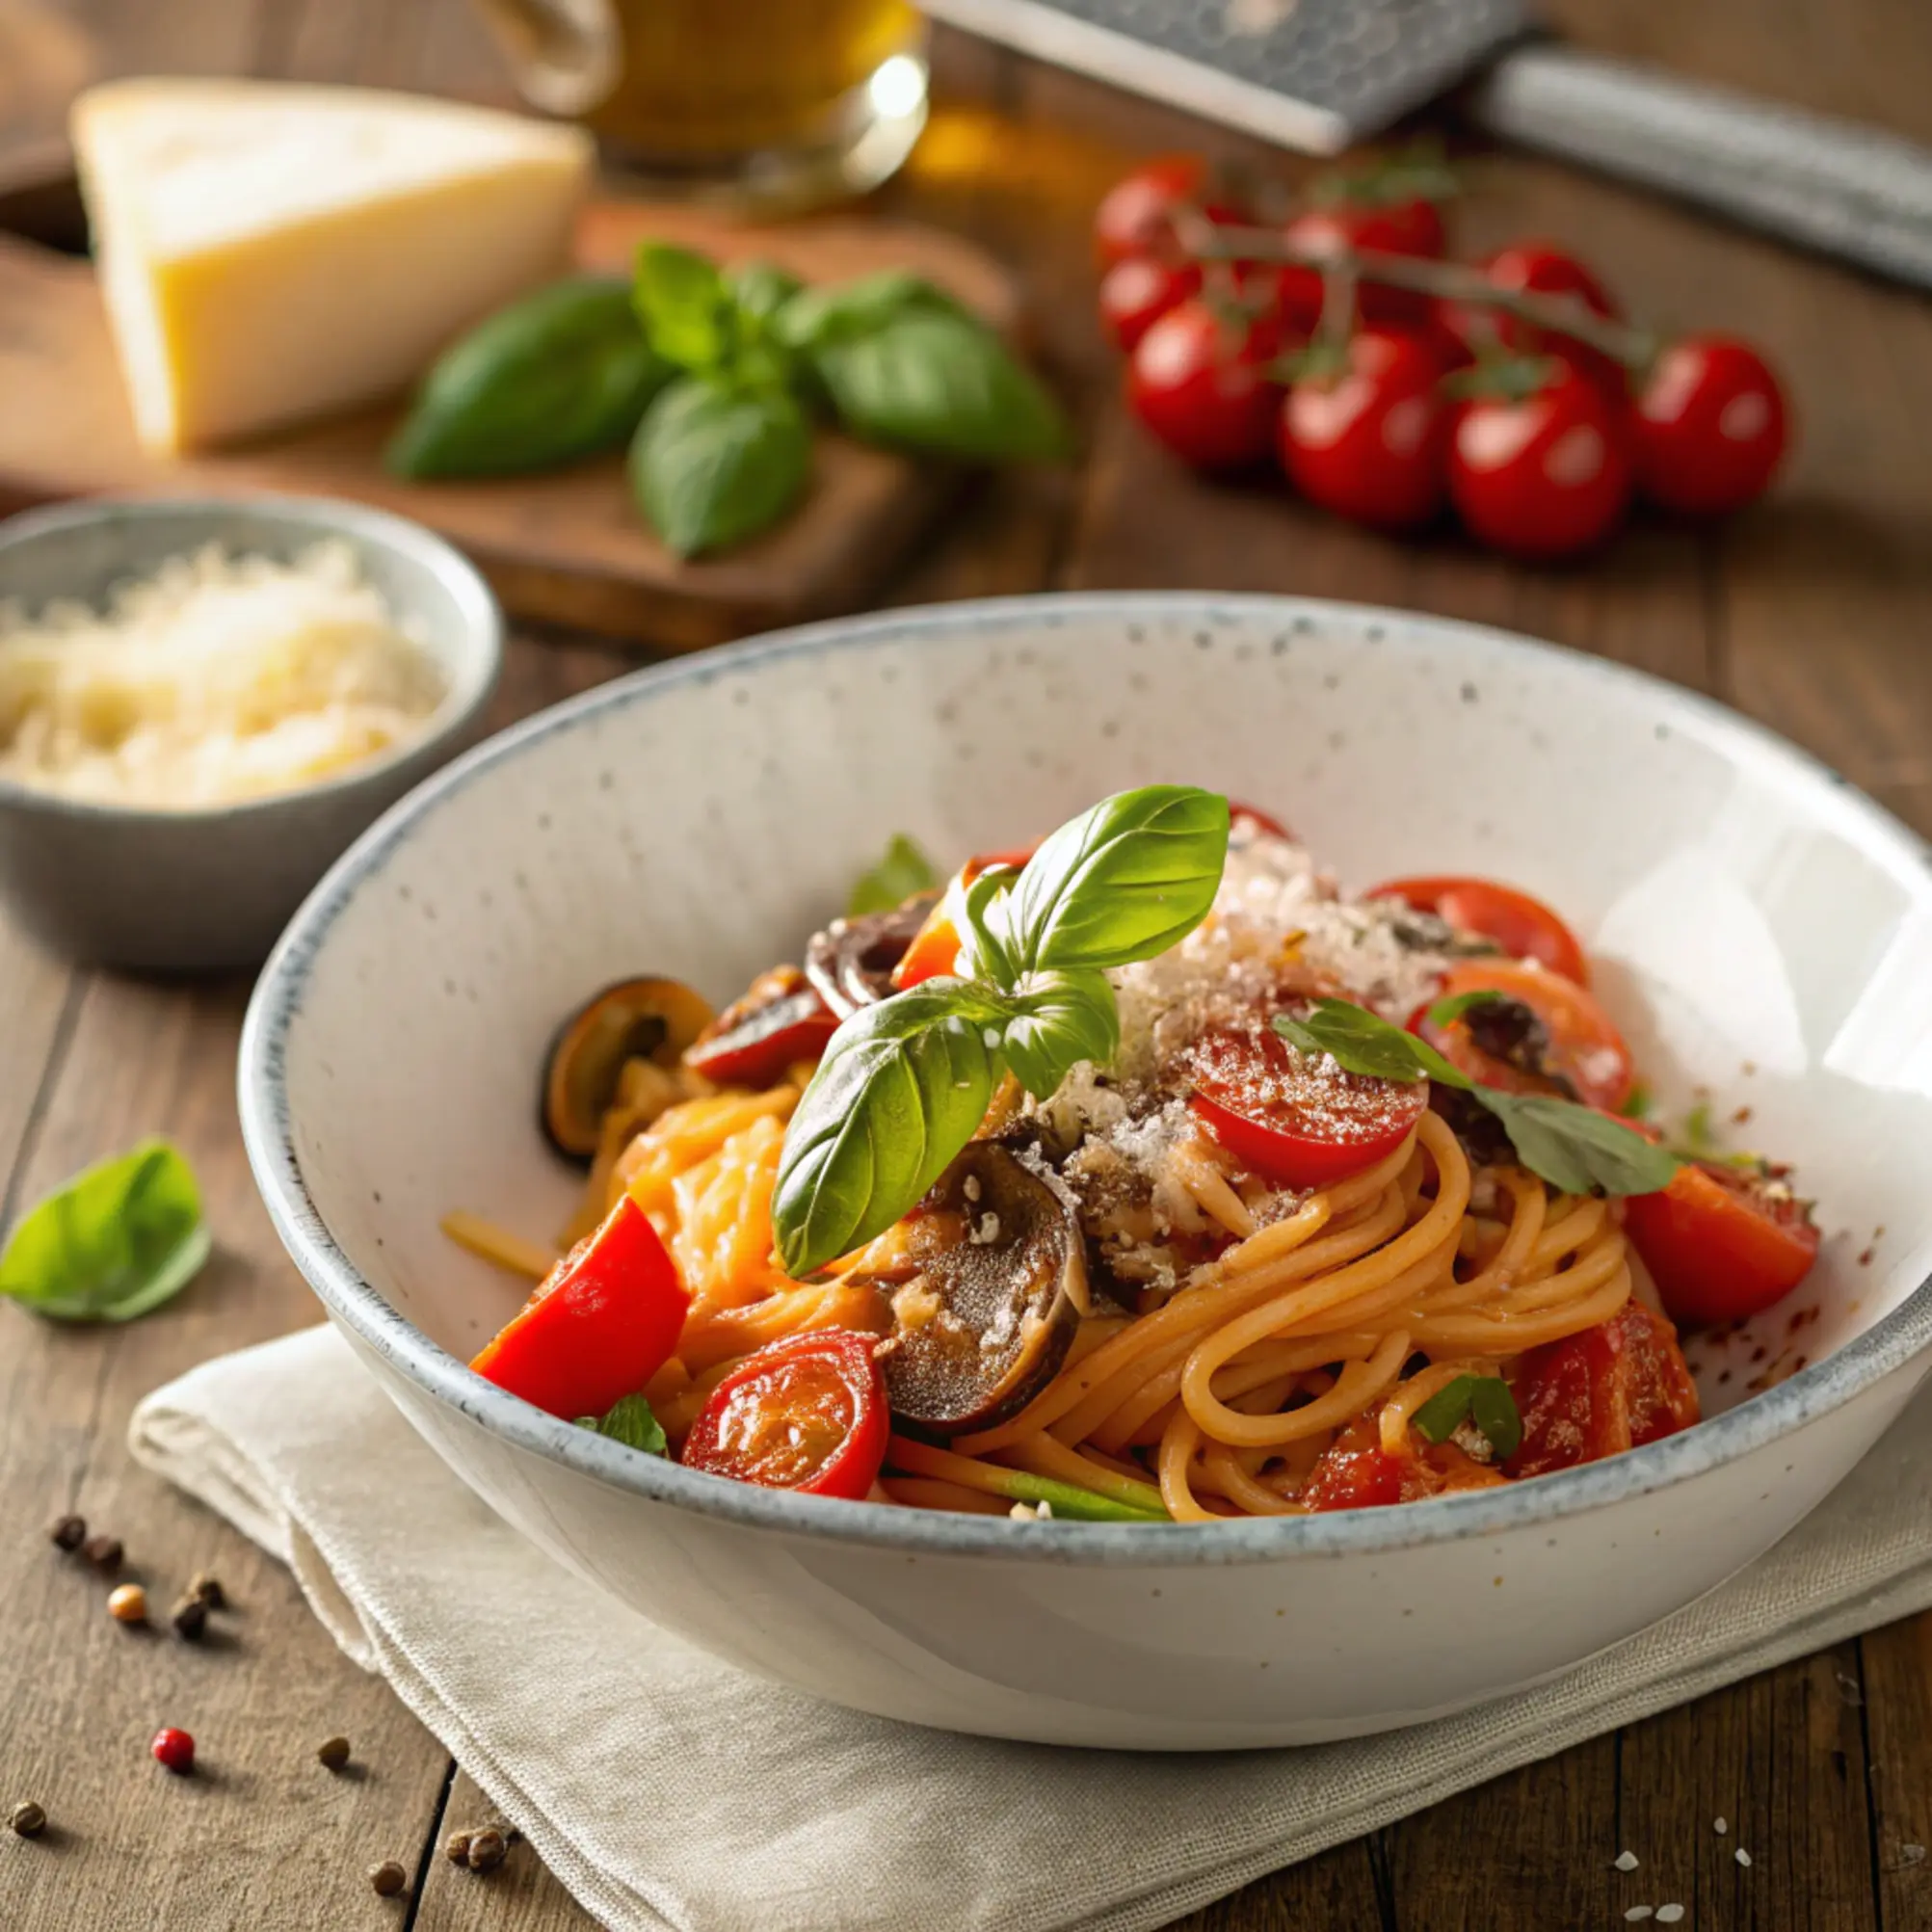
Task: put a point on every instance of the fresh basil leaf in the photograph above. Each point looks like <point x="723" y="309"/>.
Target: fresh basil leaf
<point x="1576" y="1149"/>
<point x="845" y="310"/>
<point x="113" y="1243"/>
<point x="1060" y="1018"/>
<point x="902" y="1088"/>
<point x="943" y="385"/>
<point x="1446" y="1012"/>
<point x="1637" y="1103"/>
<point x="712" y="465"/>
<point x="1445" y="1410"/>
<point x="1493" y="1409"/>
<point x="762" y="290"/>
<point x="1121" y="882"/>
<point x="1364" y="1043"/>
<point x="901" y="872"/>
<point x="559" y="374"/>
<point x="684" y="307"/>
<point x="628" y="1421"/>
<point x="983" y="953"/>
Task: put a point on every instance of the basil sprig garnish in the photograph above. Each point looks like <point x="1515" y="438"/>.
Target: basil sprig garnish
<point x="1574" y="1148"/>
<point x="1482" y="1399"/>
<point x="629" y="1421"/>
<point x="906" y="1082"/>
<point x="901" y="871"/>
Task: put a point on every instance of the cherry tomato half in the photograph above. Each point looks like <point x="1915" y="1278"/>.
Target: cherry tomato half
<point x="1136" y="214"/>
<point x="779" y="1021"/>
<point x="1369" y="444"/>
<point x="1198" y="379"/>
<point x="1710" y="428"/>
<point x="1722" y="1243"/>
<point x="1407" y="226"/>
<point x="1539" y="268"/>
<point x="602" y="1325"/>
<point x="1585" y="1047"/>
<point x="1542" y="475"/>
<point x="1297" y="1121"/>
<point x="806" y="1413"/>
<point x="936" y="946"/>
<point x="1613" y="1387"/>
<point x="1525" y="928"/>
<point x="1136" y="292"/>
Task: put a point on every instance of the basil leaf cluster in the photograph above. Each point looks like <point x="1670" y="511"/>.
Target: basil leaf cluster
<point x="1571" y="1147"/>
<point x="904" y="1083"/>
<point x="629" y="1421"/>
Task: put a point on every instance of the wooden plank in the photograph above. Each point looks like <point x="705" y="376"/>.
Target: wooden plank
<point x="519" y="1897"/>
<point x="1898" y="1682"/>
<point x="35" y="990"/>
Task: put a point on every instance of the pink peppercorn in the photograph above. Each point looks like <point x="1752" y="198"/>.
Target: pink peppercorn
<point x="175" y="1749"/>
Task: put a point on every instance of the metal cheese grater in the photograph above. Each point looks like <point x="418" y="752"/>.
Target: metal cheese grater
<point x="1318" y="74"/>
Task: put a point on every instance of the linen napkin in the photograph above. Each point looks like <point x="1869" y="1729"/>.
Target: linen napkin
<point x="666" y="1789"/>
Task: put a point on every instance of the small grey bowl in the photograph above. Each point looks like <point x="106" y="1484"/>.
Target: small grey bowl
<point x="198" y="890"/>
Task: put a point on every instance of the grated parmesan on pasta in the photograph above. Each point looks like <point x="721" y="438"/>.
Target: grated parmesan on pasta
<point x="219" y="679"/>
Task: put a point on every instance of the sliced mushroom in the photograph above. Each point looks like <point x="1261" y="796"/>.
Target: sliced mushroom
<point x="987" y="1298"/>
<point x="851" y="962"/>
<point x="635" y="1019"/>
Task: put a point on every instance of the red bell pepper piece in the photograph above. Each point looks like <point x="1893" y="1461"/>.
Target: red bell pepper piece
<point x="936" y="946"/>
<point x="602" y="1325"/>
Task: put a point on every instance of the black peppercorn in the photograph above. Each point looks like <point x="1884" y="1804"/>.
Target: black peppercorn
<point x="456" y="1848"/>
<point x="70" y="1533"/>
<point x="210" y="1590"/>
<point x="104" y="1552"/>
<point x="333" y="1752"/>
<point x="388" y="1878"/>
<point x="486" y="1850"/>
<point x="190" y="1618"/>
<point x="28" y="1819"/>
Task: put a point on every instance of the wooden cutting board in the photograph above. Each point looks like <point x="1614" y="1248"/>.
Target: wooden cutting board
<point x="564" y="547"/>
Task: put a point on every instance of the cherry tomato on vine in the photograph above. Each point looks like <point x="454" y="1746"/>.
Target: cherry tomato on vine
<point x="1525" y="928"/>
<point x="1538" y="268"/>
<point x="1136" y="214"/>
<point x="1583" y="1045"/>
<point x="1137" y="292"/>
<point x="1300" y="1121"/>
<point x="1722" y="1243"/>
<point x="1408" y="227"/>
<point x="1198" y="379"/>
<point x="1369" y="440"/>
<point x="1545" y="474"/>
<point x="1709" y="427"/>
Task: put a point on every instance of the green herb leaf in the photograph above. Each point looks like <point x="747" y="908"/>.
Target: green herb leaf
<point x="1576" y="1149"/>
<point x="1446" y="1012"/>
<point x="941" y="384"/>
<point x="1060" y="1018"/>
<point x="684" y="305"/>
<point x="1121" y="882"/>
<point x="1637" y="1103"/>
<point x="762" y="290"/>
<point x="903" y="871"/>
<point x="1493" y="1409"/>
<point x="983" y="949"/>
<point x="559" y="374"/>
<point x="628" y="1421"/>
<point x="843" y="311"/>
<point x="1364" y="1043"/>
<point x="1445" y="1411"/>
<point x="113" y="1243"/>
<point x="902" y="1088"/>
<point x="712" y="465"/>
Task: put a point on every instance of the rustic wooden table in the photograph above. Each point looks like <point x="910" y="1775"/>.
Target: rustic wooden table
<point x="1815" y="614"/>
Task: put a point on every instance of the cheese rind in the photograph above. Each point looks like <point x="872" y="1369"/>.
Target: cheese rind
<point x="272" y="252"/>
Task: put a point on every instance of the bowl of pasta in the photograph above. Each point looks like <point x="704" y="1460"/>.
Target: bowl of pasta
<point x="1161" y="1172"/>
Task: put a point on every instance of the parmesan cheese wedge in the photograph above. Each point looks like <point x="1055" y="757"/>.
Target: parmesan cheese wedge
<point x="270" y="252"/>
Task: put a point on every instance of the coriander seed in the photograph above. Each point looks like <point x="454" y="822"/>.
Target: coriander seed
<point x="128" y="1604"/>
<point x="70" y="1533"/>
<point x="190" y="1618"/>
<point x="28" y="1820"/>
<point x="104" y="1552"/>
<point x="456" y="1847"/>
<point x="333" y="1753"/>
<point x="210" y="1590"/>
<point x="388" y="1878"/>
<point x="486" y="1850"/>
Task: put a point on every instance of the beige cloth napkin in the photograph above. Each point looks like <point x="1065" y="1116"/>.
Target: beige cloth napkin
<point x="666" y="1789"/>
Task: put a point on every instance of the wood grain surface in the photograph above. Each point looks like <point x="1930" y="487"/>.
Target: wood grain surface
<point x="1813" y="614"/>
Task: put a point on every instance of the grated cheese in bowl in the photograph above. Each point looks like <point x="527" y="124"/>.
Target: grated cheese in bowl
<point x="219" y="679"/>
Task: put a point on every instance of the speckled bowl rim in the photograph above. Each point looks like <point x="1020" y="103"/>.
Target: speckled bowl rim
<point x="352" y="1302"/>
<point x="480" y="618"/>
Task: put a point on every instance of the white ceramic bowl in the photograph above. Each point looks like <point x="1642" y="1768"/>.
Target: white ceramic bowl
<point x="1760" y="927"/>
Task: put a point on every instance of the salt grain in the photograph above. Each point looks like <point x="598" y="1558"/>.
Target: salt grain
<point x="1742" y="1855"/>
<point x="1719" y="1826"/>
<point x="1626" y="1861"/>
<point x="1669" y="1914"/>
<point x="1637" y="1912"/>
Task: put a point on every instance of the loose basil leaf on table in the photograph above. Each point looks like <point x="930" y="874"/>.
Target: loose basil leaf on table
<point x="901" y="1089"/>
<point x="561" y="375"/>
<point x="901" y="872"/>
<point x="112" y="1243"/>
<point x="943" y="385"/>
<point x="713" y="464"/>
<point x="1057" y="1020"/>
<point x="629" y="1421"/>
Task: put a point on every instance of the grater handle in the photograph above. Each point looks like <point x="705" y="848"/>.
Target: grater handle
<point x="1848" y="191"/>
